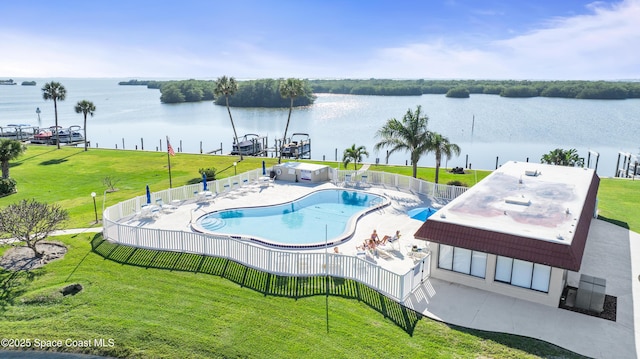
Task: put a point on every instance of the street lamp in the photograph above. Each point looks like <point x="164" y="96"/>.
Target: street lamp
<point x="38" y="112"/>
<point x="235" y="168"/>
<point x="95" y="209"/>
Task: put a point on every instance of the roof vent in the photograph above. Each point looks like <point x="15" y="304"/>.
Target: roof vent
<point x="522" y="201"/>
<point x="531" y="173"/>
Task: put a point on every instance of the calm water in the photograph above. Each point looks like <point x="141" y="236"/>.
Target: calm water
<point x="314" y="219"/>
<point x="510" y="129"/>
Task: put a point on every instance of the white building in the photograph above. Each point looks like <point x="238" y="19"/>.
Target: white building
<point x="517" y="232"/>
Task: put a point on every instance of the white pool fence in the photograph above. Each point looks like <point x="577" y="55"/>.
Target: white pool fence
<point x="275" y="261"/>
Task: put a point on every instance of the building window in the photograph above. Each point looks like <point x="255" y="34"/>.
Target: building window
<point x="479" y="264"/>
<point x="503" y="269"/>
<point x="445" y="258"/>
<point x="462" y="260"/>
<point x="523" y="274"/>
<point x="541" y="277"/>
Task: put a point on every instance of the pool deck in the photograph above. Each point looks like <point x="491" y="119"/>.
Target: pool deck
<point x="612" y="252"/>
<point x="386" y="221"/>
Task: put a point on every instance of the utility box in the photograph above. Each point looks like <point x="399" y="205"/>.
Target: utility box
<point x="591" y="293"/>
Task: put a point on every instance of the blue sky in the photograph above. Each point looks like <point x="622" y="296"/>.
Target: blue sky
<point x="465" y="39"/>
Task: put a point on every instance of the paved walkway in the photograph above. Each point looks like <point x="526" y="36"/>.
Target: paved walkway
<point x="58" y="233"/>
<point x="612" y="253"/>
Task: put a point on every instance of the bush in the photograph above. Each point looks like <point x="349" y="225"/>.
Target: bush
<point x="7" y="186"/>
<point x="209" y="172"/>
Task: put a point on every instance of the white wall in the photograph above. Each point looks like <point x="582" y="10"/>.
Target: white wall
<point x="552" y="298"/>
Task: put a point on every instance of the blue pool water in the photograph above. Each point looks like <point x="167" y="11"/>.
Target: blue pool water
<point x="300" y="223"/>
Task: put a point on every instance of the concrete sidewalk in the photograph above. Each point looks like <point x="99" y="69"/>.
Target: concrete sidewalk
<point x="612" y="252"/>
<point x="58" y="233"/>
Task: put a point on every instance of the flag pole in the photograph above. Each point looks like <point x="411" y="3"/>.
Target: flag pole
<point x="169" y="161"/>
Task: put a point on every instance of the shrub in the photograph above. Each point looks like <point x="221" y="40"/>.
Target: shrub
<point x="7" y="186"/>
<point x="110" y="182"/>
<point x="209" y="172"/>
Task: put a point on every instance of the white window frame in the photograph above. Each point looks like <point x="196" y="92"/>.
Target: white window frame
<point x="442" y="262"/>
<point x="461" y="260"/>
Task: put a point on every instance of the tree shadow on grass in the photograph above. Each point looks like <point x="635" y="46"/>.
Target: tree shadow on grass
<point x="195" y="180"/>
<point x="614" y="221"/>
<point x="13" y="284"/>
<point x="24" y="159"/>
<point x="57" y="161"/>
<point x="265" y="283"/>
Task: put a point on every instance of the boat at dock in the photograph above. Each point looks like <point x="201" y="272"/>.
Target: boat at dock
<point x="43" y="136"/>
<point x="18" y="132"/>
<point x="250" y="145"/>
<point x="50" y="136"/>
<point x="298" y="147"/>
<point x="70" y="135"/>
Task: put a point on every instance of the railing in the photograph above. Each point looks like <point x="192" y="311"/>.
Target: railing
<point x="440" y="191"/>
<point x="274" y="261"/>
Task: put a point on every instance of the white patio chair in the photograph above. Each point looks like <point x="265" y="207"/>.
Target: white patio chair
<point x="347" y="180"/>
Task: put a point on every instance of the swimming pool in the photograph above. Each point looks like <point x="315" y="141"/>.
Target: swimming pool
<point x="301" y="223"/>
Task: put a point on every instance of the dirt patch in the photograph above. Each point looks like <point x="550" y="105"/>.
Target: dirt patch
<point x="23" y="258"/>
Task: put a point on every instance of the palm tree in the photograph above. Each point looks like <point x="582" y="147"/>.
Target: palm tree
<point x="562" y="157"/>
<point x="410" y="134"/>
<point x="441" y="146"/>
<point x="291" y="88"/>
<point x="54" y="91"/>
<point x="354" y="153"/>
<point x="85" y="107"/>
<point x="228" y="86"/>
<point x="9" y="150"/>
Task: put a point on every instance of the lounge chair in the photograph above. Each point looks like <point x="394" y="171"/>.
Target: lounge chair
<point x="382" y="253"/>
<point x="347" y="180"/>
<point x="364" y="181"/>
<point x="391" y="240"/>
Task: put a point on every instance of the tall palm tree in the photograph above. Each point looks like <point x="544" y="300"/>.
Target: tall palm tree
<point x="9" y="150"/>
<point x="86" y="108"/>
<point x="354" y="153"/>
<point x="409" y="134"/>
<point x="228" y="86"/>
<point x="291" y="88"/>
<point x="56" y="92"/>
<point x="440" y="145"/>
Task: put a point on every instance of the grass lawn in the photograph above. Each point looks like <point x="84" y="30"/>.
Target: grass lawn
<point x="155" y="304"/>
<point x="169" y="313"/>
<point x="619" y="202"/>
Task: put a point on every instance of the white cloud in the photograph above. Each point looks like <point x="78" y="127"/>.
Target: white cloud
<point x="601" y="45"/>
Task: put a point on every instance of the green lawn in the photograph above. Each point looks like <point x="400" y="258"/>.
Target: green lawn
<point x="171" y="305"/>
<point x="619" y="202"/>
<point x="152" y="309"/>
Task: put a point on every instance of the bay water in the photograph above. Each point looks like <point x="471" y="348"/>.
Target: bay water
<point x="489" y="129"/>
